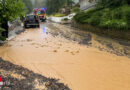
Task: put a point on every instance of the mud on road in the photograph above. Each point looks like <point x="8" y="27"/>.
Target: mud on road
<point x="81" y="60"/>
<point x="20" y="78"/>
<point x="114" y="46"/>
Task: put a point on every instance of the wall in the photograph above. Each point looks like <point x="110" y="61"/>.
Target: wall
<point x="87" y="4"/>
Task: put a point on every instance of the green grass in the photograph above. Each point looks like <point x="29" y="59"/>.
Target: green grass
<point x="58" y="15"/>
<point x="108" y="18"/>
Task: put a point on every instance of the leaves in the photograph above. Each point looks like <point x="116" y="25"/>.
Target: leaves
<point x="116" y="18"/>
<point x="10" y="10"/>
<point x="28" y="6"/>
<point x="53" y="6"/>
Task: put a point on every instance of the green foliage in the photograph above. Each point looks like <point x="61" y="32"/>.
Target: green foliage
<point x="10" y="10"/>
<point x="65" y="19"/>
<point x="127" y="14"/>
<point x="114" y="18"/>
<point x="115" y="24"/>
<point x="76" y="9"/>
<point x="58" y="15"/>
<point x="28" y="6"/>
<point x="111" y="3"/>
<point x="53" y="6"/>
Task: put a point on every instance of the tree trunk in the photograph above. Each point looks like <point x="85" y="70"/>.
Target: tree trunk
<point x="5" y="26"/>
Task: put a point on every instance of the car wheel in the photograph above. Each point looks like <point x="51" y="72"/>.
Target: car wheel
<point x="43" y="20"/>
<point x="25" y="26"/>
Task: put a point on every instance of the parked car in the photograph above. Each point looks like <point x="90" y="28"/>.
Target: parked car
<point x="31" y="20"/>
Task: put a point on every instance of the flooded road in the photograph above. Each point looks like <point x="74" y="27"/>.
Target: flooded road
<point x="82" y="60"/>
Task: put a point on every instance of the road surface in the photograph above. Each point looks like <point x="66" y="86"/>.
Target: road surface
<point x="82" y="60"/>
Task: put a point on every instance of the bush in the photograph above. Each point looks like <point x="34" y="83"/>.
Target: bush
<point x="128" y="17"/>
<point x="94" y="18"/>
<point x="76" y="10"/>
<point x="114" y="24"/>
<point x="65" y="19"/>
<point x="117" y="13"/>
<point x="116" y="18"/>
<point x="111" y="3"/>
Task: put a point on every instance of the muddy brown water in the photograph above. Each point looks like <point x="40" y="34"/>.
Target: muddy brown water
<point x="82" y="60"/>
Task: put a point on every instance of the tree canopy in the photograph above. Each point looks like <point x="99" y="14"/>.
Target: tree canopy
<point x="28" y="6"/>
<point x="54" y="5"/>
<point x="10" y="9"/>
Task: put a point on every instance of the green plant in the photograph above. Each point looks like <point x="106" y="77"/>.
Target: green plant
<point x="65" y="19"/>
<point x="94" y="19"/>
<point x="116" y="18"/>
<point x="58" y="15"/>
<point x="81" y="17"/>
<point x="111" y="3"/>
<point x="76" y="9"/>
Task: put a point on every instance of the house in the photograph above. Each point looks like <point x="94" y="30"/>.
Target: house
<point x="87" y="4"/>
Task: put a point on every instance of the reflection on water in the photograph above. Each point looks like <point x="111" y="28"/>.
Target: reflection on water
<point x="44" y="29"/>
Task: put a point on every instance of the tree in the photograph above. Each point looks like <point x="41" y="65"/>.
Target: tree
<point x="28" y="5"/>
<point x="9" y="10"/>
<point x="112" y="3"/>
<point x="53" y="6"/>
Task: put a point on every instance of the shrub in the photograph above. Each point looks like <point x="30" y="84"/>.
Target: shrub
<point x="76" y="10"/>
<point x="80" y="17"/>
<point x="115" y="24"/>
<point x="128" y="18"/>
<point x="65" y="19"/>
<point x="94" y="19"/>
<point x="114" y="18"/>
<point x="111" y="3"/>
<point x="117" y="13"/>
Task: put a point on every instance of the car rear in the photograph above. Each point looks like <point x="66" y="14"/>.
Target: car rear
<point x="31" y="20"/>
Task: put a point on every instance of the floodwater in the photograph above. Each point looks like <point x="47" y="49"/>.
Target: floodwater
<point x="82" y="60"/>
